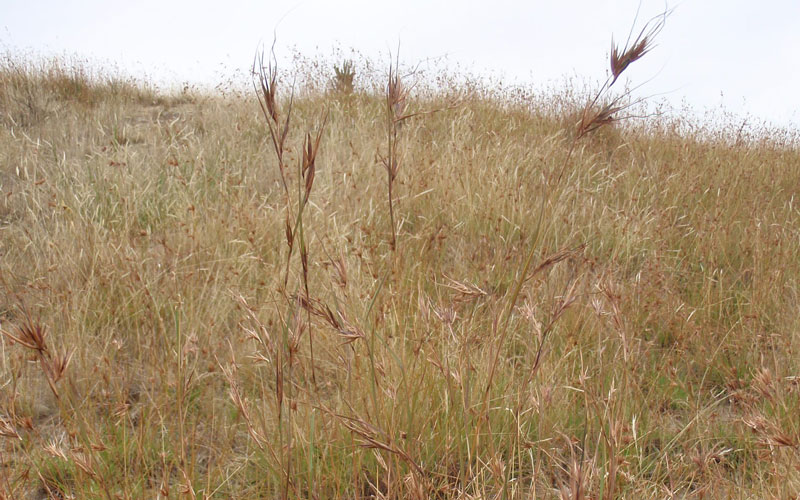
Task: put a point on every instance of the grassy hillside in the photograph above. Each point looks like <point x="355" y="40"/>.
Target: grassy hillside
<point x="612" y="315"/>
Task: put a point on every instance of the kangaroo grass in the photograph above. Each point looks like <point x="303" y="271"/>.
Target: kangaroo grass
<point x="569" y="309"/>
<point x="279" y="127"/>
<point x="593" y="117"/>
<point x="397" y="102"/>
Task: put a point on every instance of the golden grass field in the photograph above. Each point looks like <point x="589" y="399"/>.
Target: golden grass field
<point x="191" y="310"/>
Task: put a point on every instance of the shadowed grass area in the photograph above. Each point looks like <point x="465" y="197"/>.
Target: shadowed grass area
<point x="538" y="309"/>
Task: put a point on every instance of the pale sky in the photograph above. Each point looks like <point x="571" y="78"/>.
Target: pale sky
<point x="739" y="54"/>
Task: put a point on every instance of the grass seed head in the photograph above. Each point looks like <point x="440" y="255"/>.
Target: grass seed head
<point x="622" y="58"/>
<point x="31" y="334"/>
<point x="594" y="117"/>
<point x="396" y="94"/>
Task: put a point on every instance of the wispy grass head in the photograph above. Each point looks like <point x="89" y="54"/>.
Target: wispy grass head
<point x="396" y="94"/>
<point x="603" y="108"/>
<point x="633" y="51"/>
<point x="596" y="116"/>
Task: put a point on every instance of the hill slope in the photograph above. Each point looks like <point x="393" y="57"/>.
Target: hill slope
<point x="650" y="350"/>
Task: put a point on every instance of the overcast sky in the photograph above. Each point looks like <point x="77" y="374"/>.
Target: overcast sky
<point x="739" y="54"/>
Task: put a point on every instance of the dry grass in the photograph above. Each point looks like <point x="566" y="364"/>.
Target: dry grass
<point x="565" y="315"/>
